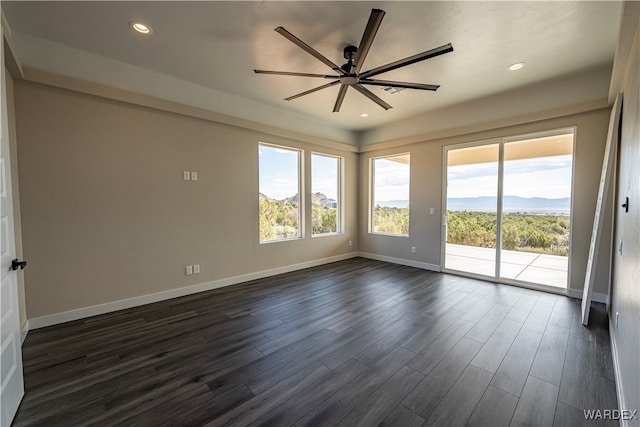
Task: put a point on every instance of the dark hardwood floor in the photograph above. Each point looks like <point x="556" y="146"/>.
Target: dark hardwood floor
<point x="357" y="342"/>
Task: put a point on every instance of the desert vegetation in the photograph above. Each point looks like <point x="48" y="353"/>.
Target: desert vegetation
<point x="391" y="220"/>
<point x="279" y="218"/>
<point x="548" y="234"/>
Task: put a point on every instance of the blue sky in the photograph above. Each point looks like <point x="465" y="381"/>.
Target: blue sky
<point x="279" y="173"/>
<point x="548" y="177"/>
<point x="391" y="181"/>
<point x="324" y="175"/>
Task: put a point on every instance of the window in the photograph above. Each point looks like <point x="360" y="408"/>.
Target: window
<point x="325" y="194"/>
<point x="390" y="195"/>
<point x="279" y="186"/>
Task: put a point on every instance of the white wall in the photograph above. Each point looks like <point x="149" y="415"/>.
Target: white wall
<point x="106" y="215"/>
<point x="625" y="292"/>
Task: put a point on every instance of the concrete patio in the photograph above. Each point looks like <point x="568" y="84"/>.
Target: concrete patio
<point x="550" y="270"/>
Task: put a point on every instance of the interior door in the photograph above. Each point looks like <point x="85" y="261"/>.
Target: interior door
<point x="11" y="385"/>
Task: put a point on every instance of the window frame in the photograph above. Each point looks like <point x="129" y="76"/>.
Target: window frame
<point x="339" y="196"/>
<point x="301" y="192"/>
<point x="372" y="189"/>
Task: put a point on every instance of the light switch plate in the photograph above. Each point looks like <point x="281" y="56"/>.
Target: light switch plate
<point x="194" y="176"/>
<point x="187" y="175"/>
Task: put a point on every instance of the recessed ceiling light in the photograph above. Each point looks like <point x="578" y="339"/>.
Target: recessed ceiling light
<point x="140" y="27"/>
<point x="516" y="66"/>
<point x="364" y="115"/>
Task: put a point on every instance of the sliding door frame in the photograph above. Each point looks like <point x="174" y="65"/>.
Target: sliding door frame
<point x="502" y="141"/>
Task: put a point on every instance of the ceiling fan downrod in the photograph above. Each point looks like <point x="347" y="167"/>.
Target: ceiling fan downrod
<point x="350" y="79"/>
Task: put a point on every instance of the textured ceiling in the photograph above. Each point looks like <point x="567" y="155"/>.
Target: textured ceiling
<point x="216" y="46"/>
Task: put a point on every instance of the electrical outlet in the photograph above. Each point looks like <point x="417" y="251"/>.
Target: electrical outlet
<point x="617" y="316"/>
<point x="188" y="270"/>
<point x="196" y="268"/>
<point x="350" y="242"/>
<point x="413" y="249"/>
<point x="194" y="176"/>
<point x="187" y="175"/>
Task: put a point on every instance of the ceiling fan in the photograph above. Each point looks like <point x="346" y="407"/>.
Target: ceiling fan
<point x="349" y="74"/>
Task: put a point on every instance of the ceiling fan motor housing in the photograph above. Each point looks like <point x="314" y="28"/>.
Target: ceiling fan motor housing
<point x="349" y="52"/>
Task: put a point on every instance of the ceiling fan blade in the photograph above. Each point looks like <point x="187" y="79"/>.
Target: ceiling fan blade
<point x="287" y="73"/>
<point x="309" y="49"/>
<point x="307" y="92"/>
<point x="406" y="85"/>
<point x="366" y="92"/>
<point x="367" y="38"/>
<point x="408" y="61"/>
<point x="341" y="94"/>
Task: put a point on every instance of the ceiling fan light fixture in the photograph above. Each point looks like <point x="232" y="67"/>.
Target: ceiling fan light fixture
<point x="517" y="66"/>
<point x="140" y="27"/>
<point x="393" y="90"/>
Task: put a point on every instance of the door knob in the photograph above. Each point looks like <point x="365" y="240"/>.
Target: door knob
<point x="15" y="264"/>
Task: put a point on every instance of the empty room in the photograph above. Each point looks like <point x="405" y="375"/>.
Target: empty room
<point x="311" y="213"/>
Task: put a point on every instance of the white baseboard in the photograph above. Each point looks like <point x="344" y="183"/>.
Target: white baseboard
<point x="573" y="293"/>
<point x="81" y="313"/>
<point x="401" y="261"/>
<point x="595" y="297"/>
<point x="616" y="372"/>
<point x="25" y="331"/>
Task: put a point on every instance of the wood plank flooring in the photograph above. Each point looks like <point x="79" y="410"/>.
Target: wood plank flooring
<point x="357" y="342"/>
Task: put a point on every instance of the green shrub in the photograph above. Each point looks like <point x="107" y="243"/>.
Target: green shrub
<point x="547" y="234"/>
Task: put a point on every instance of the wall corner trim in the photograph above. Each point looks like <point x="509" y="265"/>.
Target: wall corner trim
<point x="24" y="331"/>
<point x="401" y="261"/>
<point x="94" y="310"/>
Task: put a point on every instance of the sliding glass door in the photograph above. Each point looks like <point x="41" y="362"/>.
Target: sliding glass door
<point x="471" y="215"/>
<point x="516" y="192"/>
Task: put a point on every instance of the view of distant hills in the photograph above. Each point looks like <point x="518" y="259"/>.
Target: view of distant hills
<point x="473" y="204"/>
<point x="393" y="203"/>
<point x="488" y="204"/>
<point x="511" y="204"/>
<point x="316" y="199"/>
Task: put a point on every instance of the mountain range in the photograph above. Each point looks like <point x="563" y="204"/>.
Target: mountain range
<point x="477" y="204"/>
<point x="316" y="199"/>
<point x="510" y="204"/>
<point x="487" y="203"/>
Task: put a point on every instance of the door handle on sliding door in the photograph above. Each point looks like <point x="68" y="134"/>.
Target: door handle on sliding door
<point x="16" y="264"/>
